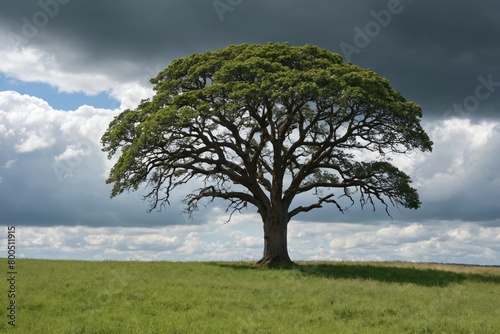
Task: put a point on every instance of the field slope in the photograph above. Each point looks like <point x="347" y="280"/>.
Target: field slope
<point x="229" y="297"/>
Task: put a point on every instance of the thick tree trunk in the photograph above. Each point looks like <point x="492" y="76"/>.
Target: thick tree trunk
<point x="275" y="243"/>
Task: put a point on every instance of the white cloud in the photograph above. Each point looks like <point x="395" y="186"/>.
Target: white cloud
<point x="439" y="241"/>
<point x="4" y="132"/>
<point x="30" y="64"/>
<point x="71" y="153"/>
<point x="464" y="158"/>
<point x="34" y="141"/>
<point x="59" y="167"/>
<point x="249" y="242"/>
<point x="34" y="126"/>
<point x="130" y="94"/>
<point x="31" y="119"/>
<point x="452" y="242"/>
<point x="33" y="65"/>
<point x="10" y="164"/>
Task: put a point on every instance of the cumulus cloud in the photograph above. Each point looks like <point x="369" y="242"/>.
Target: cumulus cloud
<point x="28" y="64"/>
<point x="53" y="168"/>
<point x="33" y="125"/>
<point x="460" y="178"/>
<point x="33" y="142"/>
<point x="445" y="241"/>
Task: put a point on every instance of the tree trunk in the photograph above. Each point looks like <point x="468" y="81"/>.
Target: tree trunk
<point x="275" y="243"/>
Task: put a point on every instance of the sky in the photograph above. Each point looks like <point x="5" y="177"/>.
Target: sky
<point x="68" y="67"/>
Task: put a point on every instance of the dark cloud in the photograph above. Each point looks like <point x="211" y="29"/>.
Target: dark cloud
<point x="433" y="52"/>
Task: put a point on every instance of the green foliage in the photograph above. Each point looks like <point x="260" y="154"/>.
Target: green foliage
<point x="226" y="297"/>
<point x="274" y="119"/>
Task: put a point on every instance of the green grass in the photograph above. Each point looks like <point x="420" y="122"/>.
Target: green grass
<point x="227" y="297"/>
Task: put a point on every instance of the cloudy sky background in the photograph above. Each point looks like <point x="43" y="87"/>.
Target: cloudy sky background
<point x="67" y="67"/>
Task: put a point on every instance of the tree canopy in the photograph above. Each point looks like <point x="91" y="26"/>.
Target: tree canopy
<point x="262" y="125"/>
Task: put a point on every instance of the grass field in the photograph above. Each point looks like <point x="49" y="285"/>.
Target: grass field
<point x="228" y="297"/>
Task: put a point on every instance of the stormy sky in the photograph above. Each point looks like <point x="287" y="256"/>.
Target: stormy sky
<point x="67" y="67"/>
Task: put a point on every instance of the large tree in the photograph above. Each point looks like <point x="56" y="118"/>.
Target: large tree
<point x="265" y="125"/>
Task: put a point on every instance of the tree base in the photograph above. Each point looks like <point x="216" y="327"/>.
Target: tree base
<point x="276" y="262"/>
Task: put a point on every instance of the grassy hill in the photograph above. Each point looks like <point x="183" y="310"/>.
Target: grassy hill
<point x="229" y="297"/>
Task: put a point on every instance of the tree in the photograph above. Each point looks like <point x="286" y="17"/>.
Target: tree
<point x="265" y="125"/>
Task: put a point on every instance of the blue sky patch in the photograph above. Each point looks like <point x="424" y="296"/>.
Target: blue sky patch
<point x="58" y="100"/>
